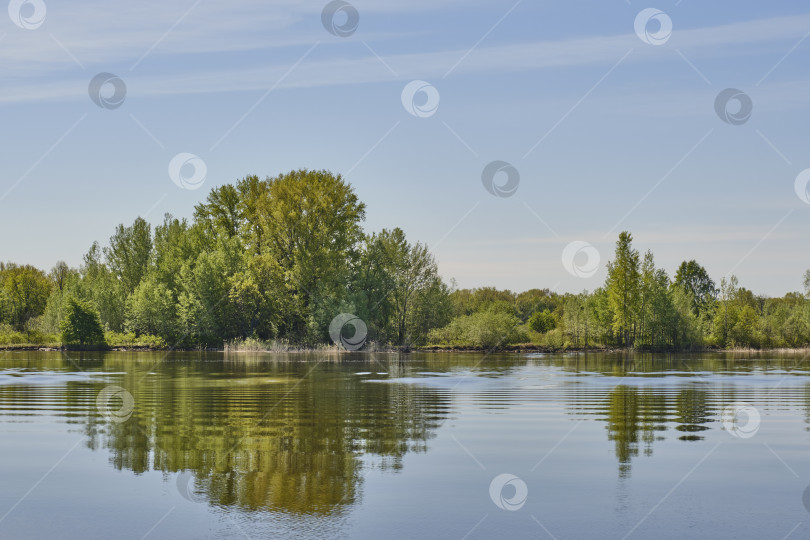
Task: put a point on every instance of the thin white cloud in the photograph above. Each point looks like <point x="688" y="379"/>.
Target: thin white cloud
<point x="186" y="64"/>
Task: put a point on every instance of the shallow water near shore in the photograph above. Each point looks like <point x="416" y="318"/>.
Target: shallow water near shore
<point x="427" y="445"/>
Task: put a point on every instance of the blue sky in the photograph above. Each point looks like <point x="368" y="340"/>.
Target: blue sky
<point x="607" y="131"/>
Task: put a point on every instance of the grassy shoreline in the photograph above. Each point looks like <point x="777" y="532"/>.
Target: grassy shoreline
<point x="331" y="349"/>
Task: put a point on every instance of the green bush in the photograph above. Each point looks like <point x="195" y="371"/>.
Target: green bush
<point x="542" y="321"/>
<point x="555" y="339"/>
<point x="81" y="324"/>
<point x="485" y="329"/>
<point x="11" y="337"/>
<point x="131" y="340"/>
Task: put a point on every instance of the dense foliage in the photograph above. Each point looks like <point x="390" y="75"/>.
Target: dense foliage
<point x="81" y="324"/>
<point x="273" y="259"/>
<point x="278" y="259"/>
<point x="639" y="306"/>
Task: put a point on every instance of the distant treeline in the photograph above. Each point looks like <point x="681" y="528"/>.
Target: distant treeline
<point x="278" y="259"/>
<point x="639" y="306"/>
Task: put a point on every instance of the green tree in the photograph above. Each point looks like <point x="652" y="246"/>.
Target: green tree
<point x="81" y="324"/>
<point x="393" y="279"/>
<point x="744" y="333"/>
<point x="255" y="298"/>
<point x="469" y="301"/>
<point x="726" y="315"/>
<point x="682" y="322"/>
<point x="128" y="255"/>
<point x="601" y="315"/>
<point x="623" y="288"/>
<point x="371" y="287"/>
<point x="206" y="316"/>
<point x="431" y="308"/>
<point x="542" y="321"/>
<point x="694" y="279"/>
<point x="413" y="270"/>
<point x="5" y="305"/>
<point x="62" y="276"/>
<point x="64" y="281"/>
<point x="222" y="211"/>
<point x="103" y="288"/>
<point x="174" y="245"/>
<point x="152" y="309"/>
<point x="309" y="222"/>
<point x="530" y="302"/>
<point x="26" y="291"/>
<point x="806" y="283"/>
<point x="655" y="305"/>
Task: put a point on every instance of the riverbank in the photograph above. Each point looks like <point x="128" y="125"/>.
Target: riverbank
<point x="332" y="349"/>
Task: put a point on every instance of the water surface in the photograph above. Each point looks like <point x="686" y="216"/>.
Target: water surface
<point x="134" y="445"/>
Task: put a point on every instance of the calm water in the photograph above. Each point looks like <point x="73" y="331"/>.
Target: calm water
<point x="126" y="445"/>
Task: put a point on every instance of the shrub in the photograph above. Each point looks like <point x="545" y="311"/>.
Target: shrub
<point x="81" y="324"/>
<point x="542" y="321"/>
<point x="485" y="329"/>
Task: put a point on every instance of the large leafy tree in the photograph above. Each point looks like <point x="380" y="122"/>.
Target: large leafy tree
<point x="695" y="280"/>
<point x="414" y="270"/>
<point x="542" y="321"/>
<point x="371" y="287"/>
<point x="222" y="211"/>
<point x="397" y="279"/>
<point x="256" y="300"/>
<point x="431" y="308"/>
<point x="128" y="254"/>
<point x="26" y="290"/>
<point x="174" y="245"/>
<point x="309" y="222"/>
<point x="205" y="313"/>
<point x="152" y="309"/>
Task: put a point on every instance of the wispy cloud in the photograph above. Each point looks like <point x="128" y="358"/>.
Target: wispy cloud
<point x="197" y="56"/>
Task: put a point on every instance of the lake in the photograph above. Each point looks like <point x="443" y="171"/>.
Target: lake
<point x="424" y="445"/>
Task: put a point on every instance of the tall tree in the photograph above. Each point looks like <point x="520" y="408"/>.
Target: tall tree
<point x="173" y="247"/>
<point x="152" y="309"/>
<point x="103" y="288"/>
<point x="204" y="312"/>
<point x="694" y="279"/>
<point x="129" y="253"/>
<point x="222" y="212"/>
<point x="623" y="288"/>
<point x="395" y="277"/>
<point x="64" y="282"/>
<point x="726" y="318"/>
<point x="61" y="275"/>
<point x="653" y="302"/>
<point x="414" y="270"/>
<point x="310" y="223"/>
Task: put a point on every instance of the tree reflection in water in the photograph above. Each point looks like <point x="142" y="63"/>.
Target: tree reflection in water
<point x="290" y="438"/>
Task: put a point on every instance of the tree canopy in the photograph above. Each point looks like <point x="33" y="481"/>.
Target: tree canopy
<point x="280" y="258"/>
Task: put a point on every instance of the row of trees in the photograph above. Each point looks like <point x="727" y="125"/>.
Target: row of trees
<point x="639" y="306"/>
<point x="280" y="258"/>
<point x="277" y="258"/>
